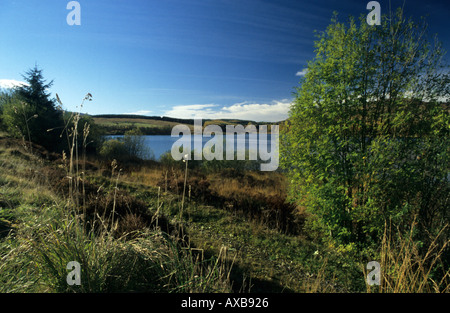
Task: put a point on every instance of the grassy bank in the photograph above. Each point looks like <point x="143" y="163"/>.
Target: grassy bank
<point x="131" y="229"/>
<point x="42" y="230"/>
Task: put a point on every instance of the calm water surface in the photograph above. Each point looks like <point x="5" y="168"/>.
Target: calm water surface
<point x="160" y="144"/>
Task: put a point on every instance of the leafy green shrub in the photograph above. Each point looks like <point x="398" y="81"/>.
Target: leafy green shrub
<point x="113" y="149"/>
<point x="127" y="148"/>
<point x="367" y="139"/>
<point x="135" y="145"/>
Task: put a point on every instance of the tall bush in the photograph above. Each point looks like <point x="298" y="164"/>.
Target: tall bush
<point x="367" y="139"/>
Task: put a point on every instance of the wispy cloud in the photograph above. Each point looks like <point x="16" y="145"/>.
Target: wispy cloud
<point x="11" y="83"/>
<point x="302" y="72"/>
<point x="261" y="112"/>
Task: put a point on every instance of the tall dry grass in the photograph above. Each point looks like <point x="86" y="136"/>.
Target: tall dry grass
<point x="259" y="196"/>
<point x="409" y="267"/>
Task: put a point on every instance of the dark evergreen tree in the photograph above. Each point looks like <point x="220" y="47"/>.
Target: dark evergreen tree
<point x="33" y="113"/>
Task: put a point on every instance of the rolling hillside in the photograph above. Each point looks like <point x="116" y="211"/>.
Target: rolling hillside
<point x="157" y="125"/>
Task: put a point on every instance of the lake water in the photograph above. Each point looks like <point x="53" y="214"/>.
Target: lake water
<point x="160" y="144"/>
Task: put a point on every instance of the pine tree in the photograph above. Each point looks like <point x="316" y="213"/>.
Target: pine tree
<point x="32" y="113"/>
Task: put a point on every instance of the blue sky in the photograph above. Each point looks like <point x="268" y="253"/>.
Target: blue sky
<point x="181" y="58"/>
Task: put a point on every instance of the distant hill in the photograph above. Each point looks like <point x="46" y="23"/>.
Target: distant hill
<point x="118" y="124"/>
<point x="133" y="117"/>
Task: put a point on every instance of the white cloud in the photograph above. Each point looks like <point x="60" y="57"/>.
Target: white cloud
<point x="11" y="83"/>
<point x="202" y="111"/>
<point x="259" y="112"/>
<point x="302" y="72"/>
<point x="140" y="112"/>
